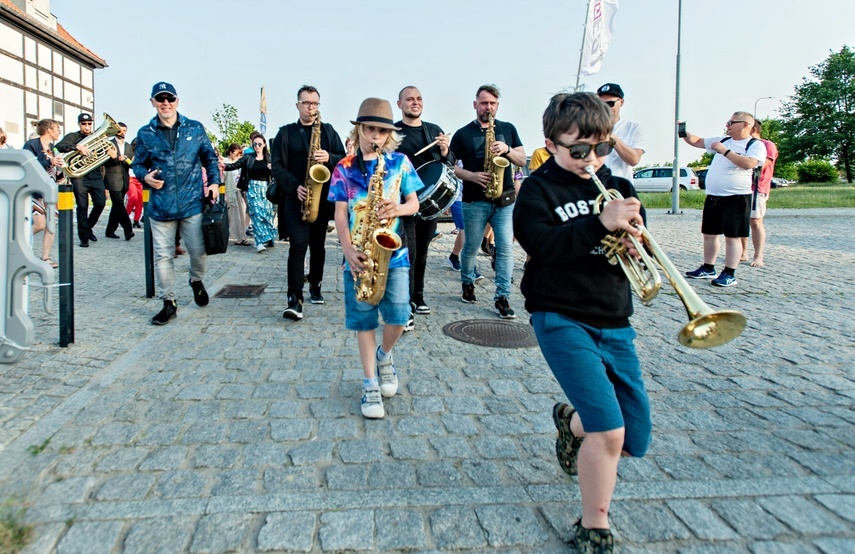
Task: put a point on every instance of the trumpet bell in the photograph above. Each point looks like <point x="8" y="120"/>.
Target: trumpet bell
<point x="712" y="329"/>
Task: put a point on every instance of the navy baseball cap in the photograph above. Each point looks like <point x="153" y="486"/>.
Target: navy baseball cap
<point x="84" y="117"/>
<point x="610" y="88"/>
<point x="162" y="87"/>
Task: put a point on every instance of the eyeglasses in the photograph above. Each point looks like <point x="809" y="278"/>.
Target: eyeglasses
<point x="258" y="144"/>
<point x="610" y="103"/>
<point x="732" y="122"/>
<point x="85" y="123"/>
<point x="307" y="104"/>
<point x="160" y="98"/>
<point x="581" y="151"/>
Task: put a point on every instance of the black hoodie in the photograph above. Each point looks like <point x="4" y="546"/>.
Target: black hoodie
<point x="568" y="273"/>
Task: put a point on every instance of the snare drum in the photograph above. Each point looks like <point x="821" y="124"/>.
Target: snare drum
<point x="440" y="190"/>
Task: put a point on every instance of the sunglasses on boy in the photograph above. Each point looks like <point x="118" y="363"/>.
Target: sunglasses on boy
<point x="581" y="151"/>
<point x="165" y="97"/>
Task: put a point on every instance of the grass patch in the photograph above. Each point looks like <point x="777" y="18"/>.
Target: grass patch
<point x="37" y="449"/>
<point x="14" y="535"/>
<point x="810" y="195"/>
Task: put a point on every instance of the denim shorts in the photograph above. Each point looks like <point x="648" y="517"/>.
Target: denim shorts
<point x="599" y="372"/>
<point x="457" y="213"/>
<point x="394" y="306"/>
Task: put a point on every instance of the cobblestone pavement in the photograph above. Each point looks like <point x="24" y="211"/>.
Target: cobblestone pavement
<point x="232" y="430"/>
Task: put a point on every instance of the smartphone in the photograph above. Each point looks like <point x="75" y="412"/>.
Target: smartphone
<point x="681" y="129"/>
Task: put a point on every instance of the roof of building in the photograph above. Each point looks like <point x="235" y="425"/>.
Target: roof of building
<point x="61" y="34"/>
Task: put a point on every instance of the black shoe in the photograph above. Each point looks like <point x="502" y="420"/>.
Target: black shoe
<point x="129" y="236"/>
<point x="468" y="293"/>
<point x="168" y="313"/>
<point x="294" y="310"/>
<point x="137" y="225"/>
<point x="93" y="238"/>
<point x="485" y="246"/>
<point x="200" y="295"/>
<point x="505" y="310"/>
<point x="110" y="236"/>
<point x="84" y="243"/>
<point x="315" y="295"/>
<point x="419" y="305"/>
<point x="269" y="244"/>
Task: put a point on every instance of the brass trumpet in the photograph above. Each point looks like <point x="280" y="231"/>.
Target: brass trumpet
<point x="706" y="328"/>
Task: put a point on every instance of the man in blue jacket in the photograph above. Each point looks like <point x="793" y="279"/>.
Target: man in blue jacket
<point x="170" y="153"/>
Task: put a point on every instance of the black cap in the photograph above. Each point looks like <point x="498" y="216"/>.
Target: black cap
<point x="610" y="88"/>
<point x="84" y="117"/>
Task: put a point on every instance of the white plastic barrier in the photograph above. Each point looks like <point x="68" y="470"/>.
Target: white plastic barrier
<point x="20" y="177"/>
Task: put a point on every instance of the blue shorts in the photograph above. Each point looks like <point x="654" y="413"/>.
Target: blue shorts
<point x="395" y="304"/>
<point x="599" y="372"/>
<point x="457" y="213"/>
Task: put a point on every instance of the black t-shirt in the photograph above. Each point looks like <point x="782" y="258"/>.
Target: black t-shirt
<point x="416" y="138"/>
<point x="258" y="170"/>
<point x="468" y="143"/>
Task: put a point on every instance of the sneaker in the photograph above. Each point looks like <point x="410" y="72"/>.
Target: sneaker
<point x="270" y="244"/>
<point x="455" y="231"/>
<point x="478" y="277"/>
<point x="315" y="296"/>
<point x="505" y="310"/>
<point x="168" y="313"/>
<point x="200" y="295"/>
<point x="701" y="273"/>
<point x="260" y="248"/>
<point x="724" y="280"/>
<point x="468" y="293"/>
<point x="454" y="262"/>
<point x="372" y="403"/>
<point x="421" y="307"/>
<point x="593" y="541"/>
<point x="566" y="443"/>
<point x="388" y="377"/>
<point x="294" y="310"/>
<point x="411" y="323"/>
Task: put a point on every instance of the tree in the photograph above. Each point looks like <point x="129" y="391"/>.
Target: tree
<point x="230" y="129"/>
<point x="819" y="119"/>
<point x="705" y="160"/>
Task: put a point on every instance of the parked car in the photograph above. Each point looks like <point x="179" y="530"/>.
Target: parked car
<point x="702" y="177"/>
<point x="778" y="182"/>
<point x="660" y="179"/>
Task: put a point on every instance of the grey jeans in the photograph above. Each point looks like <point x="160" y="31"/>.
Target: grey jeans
<point x="163" y="240"/>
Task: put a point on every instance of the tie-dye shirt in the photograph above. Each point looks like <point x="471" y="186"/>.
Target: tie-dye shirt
<point x="348" y="184"/>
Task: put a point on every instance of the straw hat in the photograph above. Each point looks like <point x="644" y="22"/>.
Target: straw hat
<point x="377" y="112"/>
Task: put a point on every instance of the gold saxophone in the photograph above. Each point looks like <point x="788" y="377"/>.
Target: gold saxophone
<point x="495" y="166"/>
<point x="76" y="164"/>
<point x="373" y="236"/>
<point x="316" y="176"/>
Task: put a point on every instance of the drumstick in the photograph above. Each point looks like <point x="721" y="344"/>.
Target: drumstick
<point x="426" y="148"/>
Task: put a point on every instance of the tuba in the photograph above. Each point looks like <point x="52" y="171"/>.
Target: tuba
<point x="495" y="166"/>
<point x="316" y="176"/>
<point x="77" y="165"/>
<point x="706" y="328"/>
<point x="373" y="236"/>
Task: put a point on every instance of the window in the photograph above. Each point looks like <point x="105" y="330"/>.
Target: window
<point x="644" y="174"/>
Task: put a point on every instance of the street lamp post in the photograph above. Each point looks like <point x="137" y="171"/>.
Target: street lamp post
<point x="758" y="100"/>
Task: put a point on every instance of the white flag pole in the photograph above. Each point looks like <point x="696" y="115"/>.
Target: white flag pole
<point x="582" y="49"/>
<point x="675" y="186"/>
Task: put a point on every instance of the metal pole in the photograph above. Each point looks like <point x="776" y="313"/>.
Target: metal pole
<point x="148" y="246"/>
<point x="759" y="99"/>
<point x="582" y="49"/>
<point x="675" y="186"/>
<point x="65" y="234"/>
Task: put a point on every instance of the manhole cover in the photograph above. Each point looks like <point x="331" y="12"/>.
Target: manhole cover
<point x="486" y="332"/>
<point x="240" y="291"/>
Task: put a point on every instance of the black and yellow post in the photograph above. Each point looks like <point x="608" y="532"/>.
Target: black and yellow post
<point x="65" y="234"/>
<point x="149" y="247"/>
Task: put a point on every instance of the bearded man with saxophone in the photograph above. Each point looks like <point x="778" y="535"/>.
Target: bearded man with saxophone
<point x="90" y="184"/>
<point x="487" y="148"/>
<point x="301" y="152"/>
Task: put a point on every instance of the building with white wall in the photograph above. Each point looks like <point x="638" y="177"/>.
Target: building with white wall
<point x="44" y="71"/>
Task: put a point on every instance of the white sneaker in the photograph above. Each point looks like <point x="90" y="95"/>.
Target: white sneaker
<point x="260" y="248"/>
<point x="388" y="377"/>
<point x="372" y="403"/>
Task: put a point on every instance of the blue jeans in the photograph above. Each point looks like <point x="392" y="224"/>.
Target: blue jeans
<point x="599" y="373"/>
<point x="476" y="215"/>
<point x="163" y="240"/>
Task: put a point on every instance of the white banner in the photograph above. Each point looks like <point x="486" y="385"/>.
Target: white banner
<point x="599" y="29"/>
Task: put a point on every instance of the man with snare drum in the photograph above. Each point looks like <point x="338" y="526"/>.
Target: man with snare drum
<point x="423" y="143"/>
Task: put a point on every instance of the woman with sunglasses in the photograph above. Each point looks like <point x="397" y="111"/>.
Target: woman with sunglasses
<point x="580" y="306"/>
<point x="254" y="179"/>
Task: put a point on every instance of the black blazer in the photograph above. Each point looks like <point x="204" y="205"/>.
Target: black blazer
<point x="117" y="174"/>
<point x="244" y="164"/>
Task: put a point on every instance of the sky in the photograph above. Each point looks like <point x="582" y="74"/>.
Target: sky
<point x="734" y="54"/>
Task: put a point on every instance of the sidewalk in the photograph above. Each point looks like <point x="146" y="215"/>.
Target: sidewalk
<point x="234" y="430"/>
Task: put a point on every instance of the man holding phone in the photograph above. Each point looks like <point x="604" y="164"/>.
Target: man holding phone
<point x="629" y="140"/>
<point x="170" y="153"/>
